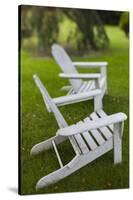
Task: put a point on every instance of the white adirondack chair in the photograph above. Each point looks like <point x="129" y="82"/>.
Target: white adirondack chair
<point x="78" y="81"/>
<point x="90" y="138"/>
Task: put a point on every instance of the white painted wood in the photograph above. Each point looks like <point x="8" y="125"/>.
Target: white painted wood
<point x="90" y="64"/>
<point x="103" y="86"/>
<point x="71" y="91"/>
<point x="95" y="133"/>
<point x="81" y="143"/>
<point x="82" y="161"/>
<point x="57" y="154"/>
<point x="102" y="82"/>
<point x="105" y="131"/>
<point x="98" y="103"/>
<point x="104" y="75"/>
<point x="81" y="89"/>
<point x="60" y="119"/>
<point x="103" y="71"/>
<point x="88" y="138"/>
<point x="105" y="121"/>
<point x="69" y="71"/>
<point x="87" y="88"/>
<point x="84" y="137"/>
<point x="47" y="144"/>
<point x="101" y="113"/>
<point x="69" y="99"/>
<point x="92" y="87"/>
<point x="65" y="63"/>
<point x="74" y="145"/>
<point x="80" y="75"/>
<point x="79" y="97"/>
<point x="118" y="142"/>
<point x="97" y="84"/>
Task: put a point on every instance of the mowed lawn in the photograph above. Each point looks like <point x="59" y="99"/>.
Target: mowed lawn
<point x="38" y="124"/>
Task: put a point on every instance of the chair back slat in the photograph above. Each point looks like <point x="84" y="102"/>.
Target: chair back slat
<point x="64" y="61"/>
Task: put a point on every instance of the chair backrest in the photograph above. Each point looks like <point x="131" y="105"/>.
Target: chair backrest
<point x="48" y="100"/>
<point x="64" y="61"/>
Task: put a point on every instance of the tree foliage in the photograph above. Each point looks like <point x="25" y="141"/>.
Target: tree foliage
<point x="44" y="21"/>
<point x="124" y="22"/>
<point x="40" y="20"/>
<point x="26" y="28"/>
<point x="110" y="17"/>
<point x="91" y="27"/>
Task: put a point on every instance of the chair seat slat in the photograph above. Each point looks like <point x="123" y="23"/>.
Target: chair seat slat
<point x="95" y="133"/>
<point x="81" y="89"/>
<point x="101" y="113"/>
<point x="88" y="86"/>
<point x="81" y="143"/>
<point x="89" y="140"/>
<point x="105" y="131"/>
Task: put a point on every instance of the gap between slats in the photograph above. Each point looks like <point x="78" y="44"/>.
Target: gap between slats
<point x="101" y="114"/>
<point x="103" y="130"/>
<point x="81" y="89"/>
<point x="88" y="139"/>
<point x="81" y="143"/>
<point x="95" y="134"/>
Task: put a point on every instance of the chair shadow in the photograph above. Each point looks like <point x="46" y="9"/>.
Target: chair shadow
<point x="13" y="189"/>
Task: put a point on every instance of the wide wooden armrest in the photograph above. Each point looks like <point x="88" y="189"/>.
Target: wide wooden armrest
<point x="80" y="75"/>
<point x="76" y="97"/>
<point x="90" y="64"/>
<point x="88" y="126"/>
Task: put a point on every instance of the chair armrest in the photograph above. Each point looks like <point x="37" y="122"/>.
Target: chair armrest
<point x="88" y="126"/>
<point x="90" y="64"/>
<point x="80" y="75"/>
<point x="75" y="98"/>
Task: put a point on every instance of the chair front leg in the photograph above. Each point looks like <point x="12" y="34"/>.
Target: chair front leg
<point x="104" y="74"/>
<point x="117" y="142"/>
<point x="97" y="83"/>
<point x="98" y="102"/>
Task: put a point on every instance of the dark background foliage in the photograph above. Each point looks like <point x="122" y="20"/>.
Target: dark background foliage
<point x="89" y="33"/>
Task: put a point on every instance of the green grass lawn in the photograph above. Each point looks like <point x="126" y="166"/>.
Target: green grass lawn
<point x="39" y="125"/>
